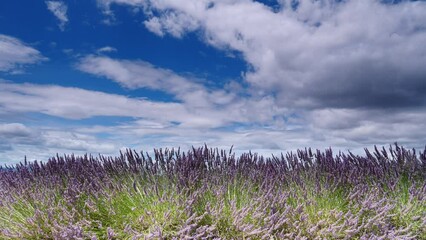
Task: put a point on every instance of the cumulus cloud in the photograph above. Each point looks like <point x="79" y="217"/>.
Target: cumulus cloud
<point x="313" y="54"/>
<point x="353" y="72"/>
<point x="320" y="127"/>
<point x="154" y="124"/>
<point x="14" y="54"/>
<point x="252" y="122"/>
<point x="346" y="74"/>
<point x="59" y="9"/>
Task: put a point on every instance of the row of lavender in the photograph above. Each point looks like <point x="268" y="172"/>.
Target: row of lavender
<point x="207" y="194"/>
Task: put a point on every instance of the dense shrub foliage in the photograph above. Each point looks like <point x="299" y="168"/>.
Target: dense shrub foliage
<point x="212" y="194"/>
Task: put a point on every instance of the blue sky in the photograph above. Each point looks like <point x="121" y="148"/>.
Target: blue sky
<point x="268" y="76"/>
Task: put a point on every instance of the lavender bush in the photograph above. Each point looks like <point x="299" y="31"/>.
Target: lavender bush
<point x="212" y="194"/>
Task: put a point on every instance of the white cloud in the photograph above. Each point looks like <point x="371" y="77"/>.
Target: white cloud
<point x="13" y="135"/>
<point x="156" y="124"/>
<point x="276" y="127"/>
<point x="13" y="129"/>
<point x="105" y="5"/>
<point x="176" y="24"/>
<point x="42" y="142"/>
<point x="218" y="106"/>
<point x="319" y="54"/>
<point x="154" y="25"/>
<point x="75" y="141"/>
<point x="106" y="49"/>
<point x="14" y="54"/>
<point x="260" y="123"/>
<point x="345" y="74"/>
<point x="75" y="103"/>
<point x="144" y="134"/>
<point x="352" y="71"/>
<point x="132" y="74"/>
<point x="141" y="74"/>
<point x="59" y="9"/>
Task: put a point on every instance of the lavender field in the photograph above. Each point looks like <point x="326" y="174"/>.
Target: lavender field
<point x="214" y="194"/>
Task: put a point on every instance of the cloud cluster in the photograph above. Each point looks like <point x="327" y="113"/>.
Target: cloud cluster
<point x="59" y="9"/>
<point x="346" y="74"/>
<point x="351" y="72"/>
<point x="14" y="55"/>
<point x="312" y="54"/>
<point x="152" y="123"/>
<point x="209" y="107"/>
<point x="171" y="124"/>
<point x="257" y="123"/>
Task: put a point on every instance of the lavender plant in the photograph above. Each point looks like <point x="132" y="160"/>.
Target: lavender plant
<point x="212" y="194"/>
